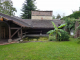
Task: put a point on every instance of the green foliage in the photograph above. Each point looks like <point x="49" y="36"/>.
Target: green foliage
<point x="64" y="36"/>
<point x="53" y="17"/>
<point x="56" y="31"/>
<point x="75" y="15"/>
<point x="52" y="38"/>
<point x="28" y="6"/>
<point x="70" y="24"/>
<point x="78" y="27"/>
<point x="78" y="42"/>
<point x="62" y="25"/>
<point x="7" y="8"/>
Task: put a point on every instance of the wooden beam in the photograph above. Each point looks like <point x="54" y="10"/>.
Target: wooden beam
<point x="9" y="33"/>
<point x="25" y="32"/>
<point x="21" y="33"/>
<point x="15" y="32"/>
<point x="15" y="27"/>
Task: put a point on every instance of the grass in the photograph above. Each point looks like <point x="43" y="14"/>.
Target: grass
<point x="65" y="50"/>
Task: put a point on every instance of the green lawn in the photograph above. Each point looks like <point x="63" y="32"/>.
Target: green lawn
<point x="65" y="50"/>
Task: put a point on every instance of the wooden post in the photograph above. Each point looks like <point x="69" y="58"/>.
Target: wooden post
<point x="21" y="33"/>
<point x="9" y="33"/>
<point x="9" y="40"/>
<point x="76" y="25"/>
<point x="18" y="33"/>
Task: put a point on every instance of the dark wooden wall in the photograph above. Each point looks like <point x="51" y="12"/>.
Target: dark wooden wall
<point x="38" y="31"/>
<point x="3" y="30"/>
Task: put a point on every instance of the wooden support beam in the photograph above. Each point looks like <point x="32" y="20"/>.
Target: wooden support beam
<point x="9" y="33"/>
<point x="21" y="33"/>
<point x="15" y="27"/>
<point x="15" y="32"/>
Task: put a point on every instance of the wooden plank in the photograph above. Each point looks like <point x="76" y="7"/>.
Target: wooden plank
<point x="9" y="32"/>
<point x="21" y="33"/>
<point x="25" y="32"/>
<point x="15" y="28"/>
<point x="37" y="35"/>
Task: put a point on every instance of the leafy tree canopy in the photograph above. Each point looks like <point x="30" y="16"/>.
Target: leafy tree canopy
<point x="75" y="15"/>
<point x="7" y="8"/>
<point x="53" y="17"/>
<point x="57" y="31"/>
<point x="58" y="16"/>
<point x="70" y="24"/>
<point x="28" y="6"/>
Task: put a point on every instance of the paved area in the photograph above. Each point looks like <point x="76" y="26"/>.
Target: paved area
<point x="5" y="41"/>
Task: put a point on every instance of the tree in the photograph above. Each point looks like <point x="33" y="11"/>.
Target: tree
<point x="70" y="24"/>
<point x="58" y="16"/>
<point x="7" y="8"/>
<point x="79" y="8"/>
<point x="53" y="17"/>
<point x="75" y="14"/>
<point x="28" y="6"/>
<point x="56" y="30"/>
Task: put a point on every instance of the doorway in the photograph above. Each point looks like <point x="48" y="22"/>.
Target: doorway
<point x="3" y="32"/>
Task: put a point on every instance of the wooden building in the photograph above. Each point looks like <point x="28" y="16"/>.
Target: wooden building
<point x="13" y="27"/>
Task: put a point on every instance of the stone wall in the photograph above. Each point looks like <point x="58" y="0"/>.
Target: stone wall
<point x="42" y="17"/>
<point x="41" y="13"/>
<point x="77" y="32"/>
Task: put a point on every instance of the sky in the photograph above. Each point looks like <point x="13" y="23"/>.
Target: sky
<point x="62" y="7"/>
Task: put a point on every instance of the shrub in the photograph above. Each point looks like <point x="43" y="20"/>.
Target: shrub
<point x="43" y="39"/>
<point x="52" y="38"/>
<point x="64" y="36"/>
<point x="78" y="37"/>
<point x="78" y="40"/>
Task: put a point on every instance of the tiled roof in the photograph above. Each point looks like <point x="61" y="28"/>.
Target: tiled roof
<point x="15" y="20"/>
<point x="32" y="23"/>
<point x="42" y="23"/>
